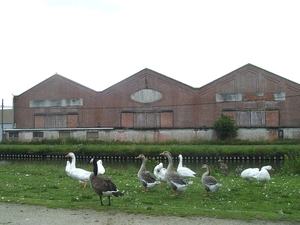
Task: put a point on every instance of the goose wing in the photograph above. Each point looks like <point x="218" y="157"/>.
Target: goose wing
<point x="80" y="174"/>
<point x="176" y="178"/>
<point x="103" y="184"/>
<point x="209" y="180"/>
<point x="147" y="177"/>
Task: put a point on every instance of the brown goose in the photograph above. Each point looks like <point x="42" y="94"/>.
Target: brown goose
<point x="239" y="169"/>
<point x="146" y="178"/>
<point x="209" y="182"/>
<point x="223" y="167"/>
<point x="176" y="182"/>
<point x="103" y="186"/>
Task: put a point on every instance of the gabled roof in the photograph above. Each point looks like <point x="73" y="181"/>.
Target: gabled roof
<point x="56" y="77"/>
<point x="143" y="71"/>
<point x="242" y="67"/>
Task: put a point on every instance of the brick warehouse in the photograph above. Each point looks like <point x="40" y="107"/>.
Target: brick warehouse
<point x="257" y="99"/>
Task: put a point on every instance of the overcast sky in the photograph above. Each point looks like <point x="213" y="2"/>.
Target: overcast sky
<point x="98" y="43"/>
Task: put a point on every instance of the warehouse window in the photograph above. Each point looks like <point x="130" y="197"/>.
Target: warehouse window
<point x="57" y="121"/>
<point x="254" y="118"/>
<point x="147" y="119"/>
<point x="13" y="134"/>
<point x="92" y="135"/>
<point x="280" y="134"/>
<point x="38" y="134"/>
<point x="64" y="134"/>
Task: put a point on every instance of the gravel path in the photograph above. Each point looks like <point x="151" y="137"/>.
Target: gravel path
<point x="25" y="214"/>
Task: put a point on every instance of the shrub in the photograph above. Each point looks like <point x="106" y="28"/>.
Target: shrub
<point x="225" y="127"/>
<point x="292" y="163"/>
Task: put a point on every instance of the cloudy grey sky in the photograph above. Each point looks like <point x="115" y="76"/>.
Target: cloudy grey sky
<point x="100" y="42"/>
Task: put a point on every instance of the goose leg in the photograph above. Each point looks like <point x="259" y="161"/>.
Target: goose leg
<point x="108" y="200"/>
<point x="84" y="186"/>
<point x="145" y="190"/>
<point x="101" y="199"/>
<point x="175" y="193"/>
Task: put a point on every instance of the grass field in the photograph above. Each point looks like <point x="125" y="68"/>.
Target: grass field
<point x="48" y="185"/>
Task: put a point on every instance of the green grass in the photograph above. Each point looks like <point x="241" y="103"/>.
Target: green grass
<point x="153" y="149"/>
<point x="47" y="184"/>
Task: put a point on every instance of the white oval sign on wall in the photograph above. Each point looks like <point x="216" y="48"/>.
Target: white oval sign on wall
<point x="146" y="96"/>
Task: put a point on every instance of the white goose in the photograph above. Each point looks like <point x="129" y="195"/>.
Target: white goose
<point x="263" y="175"/>
<point x="176" y="181"/>
<point x="76" y="173"/>
<point x="250" y="174"/>
<point x="159" y="172"/>
<point x="101" y="169"/>
<point x="184" y="171"/>
<point x="68" y="168"/>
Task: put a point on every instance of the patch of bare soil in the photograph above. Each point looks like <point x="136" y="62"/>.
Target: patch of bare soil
<point x="25" y="214"/>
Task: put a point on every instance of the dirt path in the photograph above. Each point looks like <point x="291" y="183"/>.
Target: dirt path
<point x="25" y="214"/>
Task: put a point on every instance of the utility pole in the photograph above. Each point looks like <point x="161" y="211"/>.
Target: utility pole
<point x="2" y="133"/>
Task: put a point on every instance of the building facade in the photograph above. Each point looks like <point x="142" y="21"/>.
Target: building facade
<point x="6" y="121"/>
<point x="254" y="97"/>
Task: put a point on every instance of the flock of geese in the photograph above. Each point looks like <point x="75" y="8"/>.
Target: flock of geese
<point x="104" y="186"/>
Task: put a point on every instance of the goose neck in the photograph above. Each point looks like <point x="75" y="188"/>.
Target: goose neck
<point x="170" y="160"/>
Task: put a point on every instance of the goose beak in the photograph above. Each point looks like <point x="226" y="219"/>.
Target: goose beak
<point x="68" y="155"/>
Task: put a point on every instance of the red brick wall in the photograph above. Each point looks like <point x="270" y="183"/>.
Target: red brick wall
<point x="181" y="106"/>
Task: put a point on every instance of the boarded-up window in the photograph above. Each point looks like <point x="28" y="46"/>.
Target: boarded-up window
<point x="166" y="119"/>
<point x="140" y="120"/>
<point x="147" y="120"/>
<point x="243" y="119"/>
<point x="152" y="120"/>
<point x="56" y="121"/>
<point x="39" y="121"/>
<point x="127" y="120"/>
<point x="251" y="118"/>
<point x="72" y="121"/>
<point x="272" y="118"/>
<point x="257" y="118"/>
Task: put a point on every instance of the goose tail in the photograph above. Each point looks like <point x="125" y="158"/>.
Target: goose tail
<point x="117" y="193"/>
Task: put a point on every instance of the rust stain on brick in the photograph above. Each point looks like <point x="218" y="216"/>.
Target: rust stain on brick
<point x="255" y="97"/>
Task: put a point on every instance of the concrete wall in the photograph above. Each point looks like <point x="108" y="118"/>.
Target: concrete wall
<point x="156" y="135"/>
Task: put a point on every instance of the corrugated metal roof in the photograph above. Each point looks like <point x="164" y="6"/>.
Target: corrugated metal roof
<point x="7" y="116"/>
